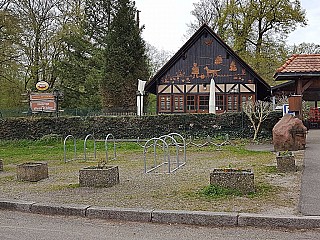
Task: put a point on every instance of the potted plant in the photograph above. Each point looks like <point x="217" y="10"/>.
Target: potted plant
<point x="233" y="178"/>
<point x="286" y="161"/>
<point x="101" y="175"/>
<point x="32" y="171"/>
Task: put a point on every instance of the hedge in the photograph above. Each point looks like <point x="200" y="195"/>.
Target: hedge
<point x="236" y="125"/>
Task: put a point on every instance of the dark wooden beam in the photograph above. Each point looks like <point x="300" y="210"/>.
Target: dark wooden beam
<point x="307" y="85"/>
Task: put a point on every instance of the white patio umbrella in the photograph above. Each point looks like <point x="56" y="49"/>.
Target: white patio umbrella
<point x="212" y="97"/>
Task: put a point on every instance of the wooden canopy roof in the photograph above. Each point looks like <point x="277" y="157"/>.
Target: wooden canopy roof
<point x="303" y="74"/>
<point x="299" y="66"/>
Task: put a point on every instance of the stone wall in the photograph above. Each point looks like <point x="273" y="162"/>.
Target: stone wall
<point x="197" y="125"/>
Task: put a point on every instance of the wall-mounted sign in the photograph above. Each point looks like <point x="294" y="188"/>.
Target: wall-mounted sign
<point x="42" y="85"/>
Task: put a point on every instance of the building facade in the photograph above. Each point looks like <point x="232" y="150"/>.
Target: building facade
<point x="182" y="85"/>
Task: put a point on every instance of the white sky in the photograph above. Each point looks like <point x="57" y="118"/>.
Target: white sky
<point x="166" y="22"/>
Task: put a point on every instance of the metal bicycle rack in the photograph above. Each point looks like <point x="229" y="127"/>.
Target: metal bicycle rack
<point x="65" y="148"/>
<point x="108" y="138"/>
<point x="168" y="163"/>
<point x="183" y="143"/>
<point x="114" y="146"/>
<point x="209" y="142"/>
<point x="153" y="142"/>
<point x="94" y="146"/>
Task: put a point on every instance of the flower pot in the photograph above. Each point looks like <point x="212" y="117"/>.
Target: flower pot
<point x="32" y="171"/>
<point x="286" y="162"/>
<point x="241" y="180"/>
<point x="106" y="176"/>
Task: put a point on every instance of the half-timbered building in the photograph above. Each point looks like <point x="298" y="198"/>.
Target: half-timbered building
<point x="182" y="85"/>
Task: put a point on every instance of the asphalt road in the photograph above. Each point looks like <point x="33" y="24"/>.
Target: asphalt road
<point x="310" y="181"/>
<point x="26" y="226"/>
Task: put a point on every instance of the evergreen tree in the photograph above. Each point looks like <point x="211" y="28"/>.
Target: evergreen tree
<point x="80" y="68"/>
<point x="79" y="74"/>
<point x="126" y="59"/>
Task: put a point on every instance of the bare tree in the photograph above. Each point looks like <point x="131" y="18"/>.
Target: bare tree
<point x="209" y="12"/>
<point x="39" y="21"/>
<point x="305" y="48"/>
<point x="157" y="58"/>
<point x="4" y="4"/>
<point x="257" y="113"/>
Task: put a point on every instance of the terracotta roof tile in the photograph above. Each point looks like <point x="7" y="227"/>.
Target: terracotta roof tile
<point x="301" y="63"/>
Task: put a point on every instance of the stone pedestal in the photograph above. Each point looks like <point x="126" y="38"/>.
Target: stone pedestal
<point x="106" y="176"/>
<point x="32" y="171"/>
<point x="286" y="163"/>
<point x="241" y="180"/>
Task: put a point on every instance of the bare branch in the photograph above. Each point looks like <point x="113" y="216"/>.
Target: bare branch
<point x="257" y="113"/>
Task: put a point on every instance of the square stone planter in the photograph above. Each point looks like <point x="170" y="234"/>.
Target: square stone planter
<point x="286" y="162"/>
<point x="1" y="165"/>
<point x="32" y="171"/>
<point x="106" y="176"/>
<point x="241" y="180"/>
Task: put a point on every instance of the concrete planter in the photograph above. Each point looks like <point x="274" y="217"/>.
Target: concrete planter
<point x="241" y="180"/>
<point x="106" y="176"/>
<point x="32" y="171"/>
<point x="1" y="165"/>
<point x="286" y="162"/>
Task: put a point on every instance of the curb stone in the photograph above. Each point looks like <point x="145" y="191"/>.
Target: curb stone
<point x="64" y="209"/>
<point x="201" y="218"/>
<point x="195" y="218"/>
<point x="17" y="205"/>
<point x="126" y="214"/>
<point x="258" y="220"/>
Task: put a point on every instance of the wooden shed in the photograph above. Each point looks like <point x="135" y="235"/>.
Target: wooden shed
<point x="182" y="85"/>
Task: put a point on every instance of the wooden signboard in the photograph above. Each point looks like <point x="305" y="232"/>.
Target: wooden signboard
<point x="295" y="103"/>
<point x="42" y="102"/>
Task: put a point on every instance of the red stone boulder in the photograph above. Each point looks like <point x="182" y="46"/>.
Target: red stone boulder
<point x="289" y="134"/>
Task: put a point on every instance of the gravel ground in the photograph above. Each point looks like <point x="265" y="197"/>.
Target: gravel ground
<point x="278" y="193"/>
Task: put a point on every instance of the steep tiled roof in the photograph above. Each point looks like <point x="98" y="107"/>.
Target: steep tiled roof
<point x="204" y="29"/>
<point x="301" y="63"/>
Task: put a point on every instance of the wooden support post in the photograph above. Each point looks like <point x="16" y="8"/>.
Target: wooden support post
<point x="299" y="91"/>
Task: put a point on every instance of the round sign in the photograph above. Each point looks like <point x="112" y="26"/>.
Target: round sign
<point x="42" y="85"/>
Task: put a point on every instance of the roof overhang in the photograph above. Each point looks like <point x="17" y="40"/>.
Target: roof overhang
<point x="295" y="75"/>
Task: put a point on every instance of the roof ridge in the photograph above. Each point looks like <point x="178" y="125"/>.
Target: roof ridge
<point x="308" y="55"/>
